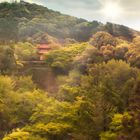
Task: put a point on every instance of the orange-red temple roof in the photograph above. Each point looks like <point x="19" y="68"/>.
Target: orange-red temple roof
<point x="43" y="46"/>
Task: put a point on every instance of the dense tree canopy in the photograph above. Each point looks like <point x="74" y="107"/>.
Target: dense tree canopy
<point x="95" y="85"/>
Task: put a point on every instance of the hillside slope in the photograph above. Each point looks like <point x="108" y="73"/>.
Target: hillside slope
<point x="26" y="21"/>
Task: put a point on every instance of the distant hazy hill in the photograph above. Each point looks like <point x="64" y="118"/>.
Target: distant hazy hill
<point x="26" y="21"/>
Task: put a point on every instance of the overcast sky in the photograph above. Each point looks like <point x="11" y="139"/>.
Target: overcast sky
<point x="125" y="12"/>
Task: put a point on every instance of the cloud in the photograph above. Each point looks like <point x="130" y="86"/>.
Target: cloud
<point x="90" y="10"/>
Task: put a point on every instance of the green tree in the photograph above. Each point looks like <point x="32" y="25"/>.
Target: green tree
<point x="7" y="60"/>
<point x="61" y="60"/>
<point x="102" y="39"/>
<point x="132" y="55"/>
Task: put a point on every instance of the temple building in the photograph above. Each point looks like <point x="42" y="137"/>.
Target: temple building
<point x="42" y="50"/>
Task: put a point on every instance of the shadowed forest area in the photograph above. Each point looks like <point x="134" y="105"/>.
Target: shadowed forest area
<point x="64" y="78"/>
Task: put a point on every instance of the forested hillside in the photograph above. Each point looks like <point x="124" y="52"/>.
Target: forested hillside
<point x="87" y="87"/>
<point x="28" y="21"/>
